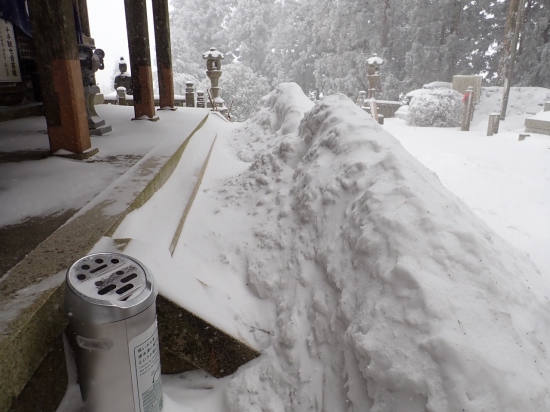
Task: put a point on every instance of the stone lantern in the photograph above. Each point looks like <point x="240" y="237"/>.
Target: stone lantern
<point x="361" y="98"/>
<point x="213" y="70"/>
<point x="373" y="73"/>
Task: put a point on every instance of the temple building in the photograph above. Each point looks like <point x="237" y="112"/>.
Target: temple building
<point x="48" y="59"/>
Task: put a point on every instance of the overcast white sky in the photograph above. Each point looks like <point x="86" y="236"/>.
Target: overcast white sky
<point x="108" y="28"/>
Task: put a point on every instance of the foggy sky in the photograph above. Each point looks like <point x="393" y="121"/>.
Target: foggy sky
<point x="108" y="28"/>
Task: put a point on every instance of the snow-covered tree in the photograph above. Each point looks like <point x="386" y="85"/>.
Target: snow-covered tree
<point x="436" y="108"/>
<point x="244" y="87"/>
<point x="532" y="67"/>
<point x="322" y="44"/>
<point x="250" y="26"/>
<point x="195" y="26"/>
<point x="296" y="44"/>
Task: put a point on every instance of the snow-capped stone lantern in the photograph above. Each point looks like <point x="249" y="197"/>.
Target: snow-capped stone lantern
<point x="213" y="70"/>
<point x="361" y="98"/>
<point x="373" y="73"/>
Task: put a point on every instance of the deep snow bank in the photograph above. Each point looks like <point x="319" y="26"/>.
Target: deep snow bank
<point x="389" y="293"/>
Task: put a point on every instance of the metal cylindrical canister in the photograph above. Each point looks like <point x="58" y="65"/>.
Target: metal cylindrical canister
<point x="110" y="301"/>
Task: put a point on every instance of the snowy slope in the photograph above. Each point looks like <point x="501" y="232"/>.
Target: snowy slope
<point x="522" y="101"/>
<point x="504" y="181"/>
<point x="387" y="292"/>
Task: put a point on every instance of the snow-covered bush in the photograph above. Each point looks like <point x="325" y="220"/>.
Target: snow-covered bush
<point x="402" y="112"/>
<point x="436" y="108"/>
<point x="414" y="93"/>
<point x="438" y="85"/>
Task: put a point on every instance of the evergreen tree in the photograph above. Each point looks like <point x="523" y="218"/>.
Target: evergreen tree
<point x="241" y="86"/>
<point x="532" y="66"/>
<point x="251" y="27"/>
<point x="322" y="44"/>
<point x="195" y="26"/>
<point x="293" y="45"/>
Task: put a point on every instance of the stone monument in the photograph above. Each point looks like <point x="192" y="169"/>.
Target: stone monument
<point x="123" y="79"/>
<point x="200" y="99"/>
<point x="190" y="94"/>
<point x="461" y="83"/>
<point x="361" y="98"/>
<point x="373" y="74"/>
<point x="213" y="70"/>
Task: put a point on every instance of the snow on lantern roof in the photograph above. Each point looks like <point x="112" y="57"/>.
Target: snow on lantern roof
<point x="375" y="59"/>
<point x="213" y="53"/>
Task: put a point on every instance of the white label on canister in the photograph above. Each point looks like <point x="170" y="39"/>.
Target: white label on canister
<point x="145" y="364"/>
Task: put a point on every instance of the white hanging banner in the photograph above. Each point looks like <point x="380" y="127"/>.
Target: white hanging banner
<point x="145" y="366"/>
<point x="9" y="63"/>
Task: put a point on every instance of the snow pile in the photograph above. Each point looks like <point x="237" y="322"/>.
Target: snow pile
<point x="389" y="294"/>
<point x="279" y="117"/>
<point x="436" y="108"/>
<point x="544" y="116"/>
<point x="402" y="112"/>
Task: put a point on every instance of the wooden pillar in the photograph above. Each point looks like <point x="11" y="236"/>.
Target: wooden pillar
<point x="84" y="19"/>
<point x="140" y="59"/>
<point x="511" y="62"/>
<point x="61" y="79"/>
<point x="374" y="110"/>
<point x="468" y="109"/>
<point x="161" y="20"/>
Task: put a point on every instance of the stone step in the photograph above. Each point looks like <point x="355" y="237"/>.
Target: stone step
<point x="539" y="123"/>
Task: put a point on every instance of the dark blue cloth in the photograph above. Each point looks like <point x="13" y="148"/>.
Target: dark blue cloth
<point x="15" y="11"/>
<point x="77" y="24"/>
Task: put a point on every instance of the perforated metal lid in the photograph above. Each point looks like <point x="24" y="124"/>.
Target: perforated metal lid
<point x="110" y="279"/>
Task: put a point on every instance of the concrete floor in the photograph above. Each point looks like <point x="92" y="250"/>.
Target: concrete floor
<point x="23" y="145"/>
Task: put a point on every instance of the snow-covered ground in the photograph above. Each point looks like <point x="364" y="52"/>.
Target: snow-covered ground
<point x="506" y="182"/>
<point x="369" y="282"/>
<point x="52" y="185"/>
